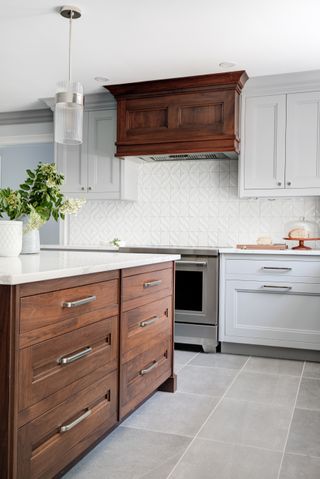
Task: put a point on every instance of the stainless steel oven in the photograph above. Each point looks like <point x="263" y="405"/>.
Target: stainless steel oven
<point x="196" y="293"/>
<point x="196" y="301"/>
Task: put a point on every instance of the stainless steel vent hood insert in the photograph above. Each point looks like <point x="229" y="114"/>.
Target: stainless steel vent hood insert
<point x="191" y="156"/>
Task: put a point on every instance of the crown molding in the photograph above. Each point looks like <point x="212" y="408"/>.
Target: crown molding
<point x="27" y="116"/>
<point x="92" y="102"/>
<point x="281" y="84"/>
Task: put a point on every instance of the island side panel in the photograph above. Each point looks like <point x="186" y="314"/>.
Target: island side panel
<point x="8" y="384"/>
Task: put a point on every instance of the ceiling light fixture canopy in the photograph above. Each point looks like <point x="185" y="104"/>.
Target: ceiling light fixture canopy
<point x="68" y="123"/>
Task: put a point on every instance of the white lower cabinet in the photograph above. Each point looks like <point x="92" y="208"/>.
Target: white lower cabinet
<point x="269" y="310"/>
<point x="91" y="169"/>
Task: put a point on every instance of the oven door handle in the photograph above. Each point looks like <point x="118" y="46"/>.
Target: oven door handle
<point x="192" y="263"/>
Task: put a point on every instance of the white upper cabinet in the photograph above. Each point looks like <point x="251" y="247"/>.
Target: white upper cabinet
<point x="264" y="142"/>
<point x="280" y="137"/>
<point x="303" y="135"/>
<point x="91" y="168"/>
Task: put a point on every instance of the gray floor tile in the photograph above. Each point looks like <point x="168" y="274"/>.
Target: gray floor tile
<point x="304" y="436"/>
<point x="312" y="370"/>
<point x="218" y="360"/>
<point x="130" y="454"/>
<point x="208" y="381"/>
<point x="179" y="413"/>
<point x="265" y="388"/>
<point x="249" y="423"/>
<point x="309" y="394"/>
<point x="274" y="366"/>
<point x="210" y="460"/>
<point x="300" y="467"/>
<point x="182" y="357"/>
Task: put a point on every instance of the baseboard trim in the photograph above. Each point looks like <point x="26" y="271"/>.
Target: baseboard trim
<point x="270" y="351"/>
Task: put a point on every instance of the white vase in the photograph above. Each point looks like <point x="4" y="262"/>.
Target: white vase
<point x="30" y="240"/>
<point x="10" y="238"/>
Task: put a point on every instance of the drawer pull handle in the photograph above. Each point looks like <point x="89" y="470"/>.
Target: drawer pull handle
<point x="77" y="421"/>
<point x="150" y="284"/>
<point x="80" y="302"/>
<point x="74" y="357"/>
<point x="149" y="369"/>
<point x="147" y="322"/>
<point x="192" y="263"/>
<point x="275" y="268"/>
<point x="271" y="287"/>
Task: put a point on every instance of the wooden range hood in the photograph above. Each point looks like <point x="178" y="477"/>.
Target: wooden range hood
<point x="198" y="114"/>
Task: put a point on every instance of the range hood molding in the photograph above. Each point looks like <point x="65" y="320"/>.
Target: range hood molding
<point x="198" y="114"/>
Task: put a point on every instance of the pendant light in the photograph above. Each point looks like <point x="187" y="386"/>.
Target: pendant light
<point x="68" y="116"/>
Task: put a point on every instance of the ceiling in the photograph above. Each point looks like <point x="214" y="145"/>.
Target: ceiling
<point x="126" y="40"/>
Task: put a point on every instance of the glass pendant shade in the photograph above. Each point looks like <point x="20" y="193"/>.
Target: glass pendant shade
<point x="68" y="121"/>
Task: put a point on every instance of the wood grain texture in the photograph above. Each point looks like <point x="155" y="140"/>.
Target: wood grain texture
<point x="181" y="115"/>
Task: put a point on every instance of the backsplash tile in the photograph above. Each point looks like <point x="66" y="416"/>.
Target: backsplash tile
<point x="193" y="203"/>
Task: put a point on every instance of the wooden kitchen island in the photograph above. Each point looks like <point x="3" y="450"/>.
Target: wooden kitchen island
<point x="85" y="338"/>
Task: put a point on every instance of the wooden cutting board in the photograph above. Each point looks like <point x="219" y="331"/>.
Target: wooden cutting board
<point x="263" y="246"/>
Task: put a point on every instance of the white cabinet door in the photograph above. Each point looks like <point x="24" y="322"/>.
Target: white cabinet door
<point x="72" y="163"/>
<point x="263" y="155"/>
<point x="303" y="140"/>
<point x="272" y="314"/>
<point x="103" y="167"/>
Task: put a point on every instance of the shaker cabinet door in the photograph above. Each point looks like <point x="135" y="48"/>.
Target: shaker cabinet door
<point x="303" y="140"/>
<point x="263" y="154"/>
<point x="71" y="161"/>
<point x="103" y="167"/>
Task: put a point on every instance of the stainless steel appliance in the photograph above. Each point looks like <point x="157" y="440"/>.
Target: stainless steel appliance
<point x="197" y="293"/>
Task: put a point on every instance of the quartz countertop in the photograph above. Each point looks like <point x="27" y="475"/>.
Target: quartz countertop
<point x="292" y="252"/>
<point x="61" y="264"/>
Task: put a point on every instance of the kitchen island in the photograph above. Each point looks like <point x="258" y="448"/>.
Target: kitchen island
<point x="84" y="339"/>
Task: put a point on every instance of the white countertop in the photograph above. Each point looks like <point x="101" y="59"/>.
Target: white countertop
<point x="62" y="264"/>
<point x="69" y="247"/>
<point x="294" y="252"/>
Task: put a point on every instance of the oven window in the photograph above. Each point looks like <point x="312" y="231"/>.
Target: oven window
<point x="189" y="285"/>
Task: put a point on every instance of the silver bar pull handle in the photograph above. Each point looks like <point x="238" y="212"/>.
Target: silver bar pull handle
<point x="271" y="287"/>
<point x="74" y="423"/>
<point x="149" y="369"/>
<point x="79" y="302"/>
<point x="150" y="284"/>
<point x="275" y="268"/>
<point x="74" y="357"/>
<point x="147" y="322"/>
<point x="192" y="263"/>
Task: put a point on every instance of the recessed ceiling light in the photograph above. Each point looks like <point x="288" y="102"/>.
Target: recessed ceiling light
<point x="101" y="79"/>
<point x="227" y="64"/>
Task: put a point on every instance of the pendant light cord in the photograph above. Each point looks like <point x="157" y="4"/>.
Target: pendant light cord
<point x="70" y="35"/>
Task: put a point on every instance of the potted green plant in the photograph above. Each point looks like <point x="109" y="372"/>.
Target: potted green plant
<point x="37" y="200"/>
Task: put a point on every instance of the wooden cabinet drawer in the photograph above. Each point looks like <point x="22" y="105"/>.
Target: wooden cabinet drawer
<point x="146" y="287"/>
<point x="48" y="443"/>
<point x="42" y="310"/>
<point x="268" y="267"/>
<point x="46" y="367"/>
<point x="143" y="374"/>
<point x="142" y="328"/>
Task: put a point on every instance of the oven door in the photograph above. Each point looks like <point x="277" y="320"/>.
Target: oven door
<point x="196" y="296"/>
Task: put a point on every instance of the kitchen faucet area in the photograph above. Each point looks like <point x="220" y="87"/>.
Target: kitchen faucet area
<point x="160" y="240"/>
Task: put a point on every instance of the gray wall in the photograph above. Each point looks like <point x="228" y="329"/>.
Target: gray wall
<point x="14" y="160"/>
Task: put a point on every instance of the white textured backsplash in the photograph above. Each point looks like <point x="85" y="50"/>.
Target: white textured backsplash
<point x="192" y="203"/>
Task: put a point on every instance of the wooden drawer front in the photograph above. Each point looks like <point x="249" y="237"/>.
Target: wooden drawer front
<point x="44" y="309"/>
<point x="143" y="288"/>
<point x="142" y="375"/>
<point x="42" y="444"/>
<point x="143" y="328"/>
<point x="41" y="372"/>
<point x="267" y="268"/>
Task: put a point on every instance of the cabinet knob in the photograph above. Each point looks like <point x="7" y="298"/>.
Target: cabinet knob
<point x="289" y="183"/>
<point x="279" y="183"/>
<point x="82" y="188"/>
<point x="89" y="188"/>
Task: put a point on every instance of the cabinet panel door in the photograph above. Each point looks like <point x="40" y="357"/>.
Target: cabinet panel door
<point x="103" y="167"/>
<point x="303" y="137"/>
<point x="264" y="142"/>
<point x="70" y="161"/>
<point x="271" y="314"/>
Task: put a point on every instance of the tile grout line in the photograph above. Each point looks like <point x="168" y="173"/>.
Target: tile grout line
<point x="209" y="416"/>
<point x="191" y="359"/>
<point x="290" y="424"/>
